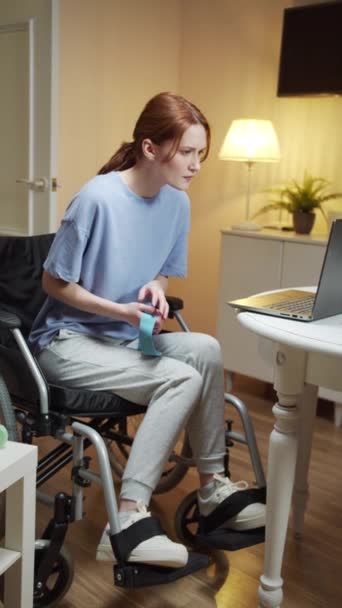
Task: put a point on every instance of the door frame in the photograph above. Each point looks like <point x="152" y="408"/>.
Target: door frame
<point x="54" y="106"/>
<point x="53" y="195"/>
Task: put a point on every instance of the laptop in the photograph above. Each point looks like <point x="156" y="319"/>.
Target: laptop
<point x="305" y="305"/>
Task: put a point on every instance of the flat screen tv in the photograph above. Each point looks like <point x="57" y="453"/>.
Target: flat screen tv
<point x="311" y="50"/>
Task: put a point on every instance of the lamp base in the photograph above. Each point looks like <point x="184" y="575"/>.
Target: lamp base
<point x="247" y="225"/>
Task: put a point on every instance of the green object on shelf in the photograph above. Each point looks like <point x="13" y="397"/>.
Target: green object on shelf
<point x="3" y="436"/>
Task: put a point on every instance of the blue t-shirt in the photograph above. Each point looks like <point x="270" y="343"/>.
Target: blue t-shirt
<point x="112" y="242"/>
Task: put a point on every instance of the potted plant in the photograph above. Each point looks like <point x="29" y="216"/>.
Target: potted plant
<point x="301" y="200"/>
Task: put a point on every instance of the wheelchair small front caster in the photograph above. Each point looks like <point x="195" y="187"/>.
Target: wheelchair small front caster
<point x="49" y="592"/>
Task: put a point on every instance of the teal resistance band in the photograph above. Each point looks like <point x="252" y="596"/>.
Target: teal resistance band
<point x="146" y="345"/>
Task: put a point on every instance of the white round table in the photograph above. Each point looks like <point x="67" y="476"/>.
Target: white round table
<point x="307" y="355"/>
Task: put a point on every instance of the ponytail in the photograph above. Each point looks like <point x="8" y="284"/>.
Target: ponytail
<point x="124" y="158"/>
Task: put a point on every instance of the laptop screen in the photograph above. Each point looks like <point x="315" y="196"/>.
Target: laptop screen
<point x="329" y="292"/>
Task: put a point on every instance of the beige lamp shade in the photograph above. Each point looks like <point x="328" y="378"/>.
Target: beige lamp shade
<point x="250" y="140"/>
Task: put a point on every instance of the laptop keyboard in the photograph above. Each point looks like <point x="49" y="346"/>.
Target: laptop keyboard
<point x="304" y="305"/>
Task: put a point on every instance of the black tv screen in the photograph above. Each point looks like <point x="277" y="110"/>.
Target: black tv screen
<point x="311" y="50"/>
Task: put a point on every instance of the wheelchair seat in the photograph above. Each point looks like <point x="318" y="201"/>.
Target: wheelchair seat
<point x="63" y="400"/>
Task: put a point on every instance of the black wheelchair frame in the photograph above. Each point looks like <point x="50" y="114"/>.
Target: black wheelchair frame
<point x="82" y="418"/>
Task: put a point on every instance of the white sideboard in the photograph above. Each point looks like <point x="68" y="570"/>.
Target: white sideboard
<point x="252" y="262"/>
<point x="18" y="464"/>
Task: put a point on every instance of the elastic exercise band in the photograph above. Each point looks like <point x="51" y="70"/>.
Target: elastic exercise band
<point x="146" y="345"/>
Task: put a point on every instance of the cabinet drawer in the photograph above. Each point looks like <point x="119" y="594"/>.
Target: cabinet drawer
<point x="302" y="264"/>
<point x="248" y="265"/>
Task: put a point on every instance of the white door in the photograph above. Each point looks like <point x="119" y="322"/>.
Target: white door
<point x="28" y="77"/>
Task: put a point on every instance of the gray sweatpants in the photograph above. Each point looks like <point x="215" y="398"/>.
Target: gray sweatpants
<point x="181" y="389"/>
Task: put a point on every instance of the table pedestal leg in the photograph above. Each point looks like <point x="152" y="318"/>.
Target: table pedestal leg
<point x="289" y="382"/>
<point x="307" y="414"/>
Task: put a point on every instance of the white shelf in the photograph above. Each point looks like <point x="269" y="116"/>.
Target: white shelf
<point x="18" y="463"/>
<point x="8" y="558"/>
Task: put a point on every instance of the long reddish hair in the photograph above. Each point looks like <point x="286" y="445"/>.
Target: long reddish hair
<point x="164" y="118"/>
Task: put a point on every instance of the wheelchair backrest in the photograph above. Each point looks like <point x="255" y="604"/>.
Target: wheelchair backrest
<point x="21" y="267"/>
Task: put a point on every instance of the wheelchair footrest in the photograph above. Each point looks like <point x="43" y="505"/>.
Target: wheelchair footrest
<point x="230" y="540"/>
<point x="144" y="575"/>
<point x="229" y="507"/>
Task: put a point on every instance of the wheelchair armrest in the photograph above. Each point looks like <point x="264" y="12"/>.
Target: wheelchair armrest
<point x="174" y="303"/>
<point x="8" y="320"/>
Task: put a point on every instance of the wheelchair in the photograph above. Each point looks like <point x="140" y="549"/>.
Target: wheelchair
<point x="31" y="408"/>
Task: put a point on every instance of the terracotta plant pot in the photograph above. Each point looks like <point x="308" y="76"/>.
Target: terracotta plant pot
<point x="303" y="222"/>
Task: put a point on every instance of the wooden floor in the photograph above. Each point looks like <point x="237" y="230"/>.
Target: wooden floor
<point x="312" y="567"/>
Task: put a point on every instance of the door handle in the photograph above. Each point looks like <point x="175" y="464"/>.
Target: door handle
<point x="40" y="184"/>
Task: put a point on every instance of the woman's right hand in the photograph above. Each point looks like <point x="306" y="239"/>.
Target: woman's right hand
<point x="132" y="312"/>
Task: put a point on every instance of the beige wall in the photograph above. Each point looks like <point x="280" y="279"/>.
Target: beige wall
<point x="223" y="55"/>
<point x="114" y="55"/>
<point x="229" y="66"/>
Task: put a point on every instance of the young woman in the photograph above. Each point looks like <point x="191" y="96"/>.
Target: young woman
<point x="122" y="236"/>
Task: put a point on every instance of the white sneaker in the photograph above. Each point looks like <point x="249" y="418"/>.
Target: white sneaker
<point x="252" y="516"/>
<point x="158" y="550"/>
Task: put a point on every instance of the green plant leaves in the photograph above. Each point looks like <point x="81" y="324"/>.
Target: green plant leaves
<point x="305" y="196"/>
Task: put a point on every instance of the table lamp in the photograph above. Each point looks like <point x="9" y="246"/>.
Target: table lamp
<point x="250" y="141"/>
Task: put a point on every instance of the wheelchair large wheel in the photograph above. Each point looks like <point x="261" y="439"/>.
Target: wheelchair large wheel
<point x="186" y="519"/>
<point x="174" y="470"/>
<point x="59" y="580"/>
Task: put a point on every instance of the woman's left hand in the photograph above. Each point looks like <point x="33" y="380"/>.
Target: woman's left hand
<point x="155" y="291"/>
